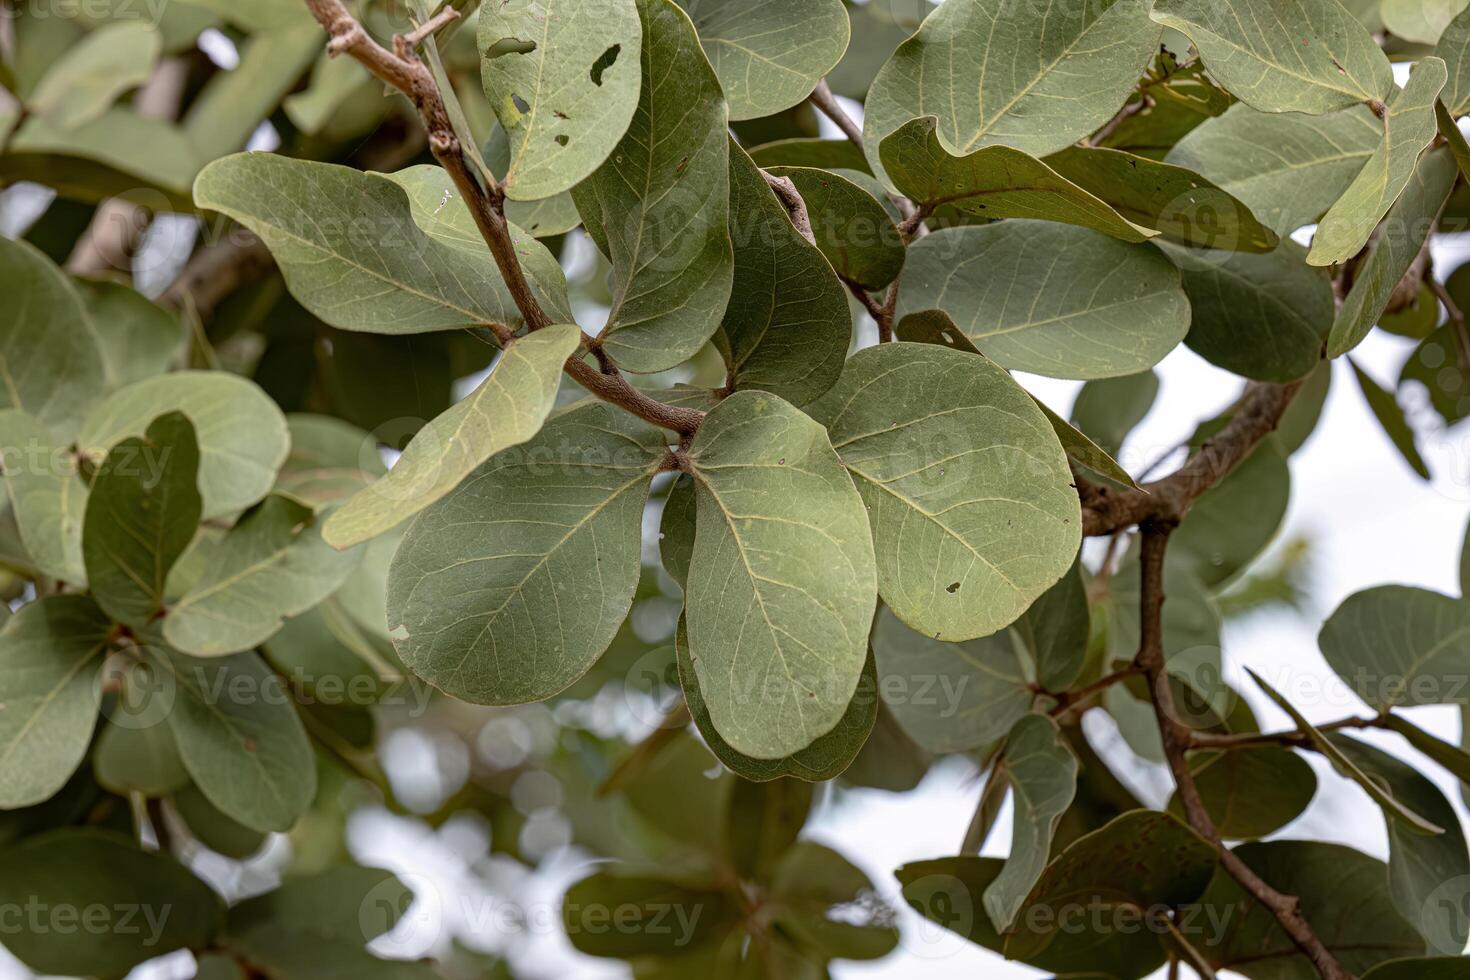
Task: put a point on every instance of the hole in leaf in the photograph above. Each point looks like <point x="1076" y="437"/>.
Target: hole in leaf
<point x="952" y="588"/>
<point x="562" y="139"/>
<point x="521" y="103"/>
<point x="509" y="45"/>
<point x="604" y="61"/>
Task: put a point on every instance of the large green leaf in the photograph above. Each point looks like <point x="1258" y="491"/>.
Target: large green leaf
<point x="1420" y="20"/>
<point x="507" y="409"/>
<point x="1288" y="168"/>
<point x="658" y="915"/>
<point x="1108" y="410"/>
<point x="1170" y="199"/>
<point x="1391" y="419"/>
<point x="1050" y="299"/>
<point x="127" y="905"/>
<point x="239" y="736"/>
<point x="213" y="829"/>
<point x="1264" y="317"/>
<point x="563" y="78"/>
<point x="82" y="84"/>
<point x="659" y="206"/>
<point x="769" y="54"/>
<point x="830" y="906"/>
<point x="330" y="459"/>
<point x="994" y="182"/>
<point x="788" y="326"/>
<point x="47" y="495"/>
<point x="242" y="435"/>
<point x="1405" y="230"/>
<point x="1419" y="866"/>
<point x="510" y="588"/>
<point x="136" y="754"/>
<point x="1033" y="76"/>
<point x="951" y="697"/>
<point x="271" y="566"/>
<point x="545" y="218"/>
<point x="1454" y="48"/>
<point x="1409" y="125"/>
<point x="141" y="514"/>
<point x="826" y="758"/>
<point x="352" y="250"/>
<point x="1397" y="646"/>
<point x="1251" y="791"/>
<point x="1043" y="776"/>
<point x="782" y="582"/>
<point x="50" y="656"/>
<point x="1284" y="57"/>
<point x="850" y="226"/>
<point x="50" y="366"/>
<point x="1342" y="895"/>
<point x="1423" y="968"/>
<point x="138" y="338"/>
<point x="1235" y="520"/>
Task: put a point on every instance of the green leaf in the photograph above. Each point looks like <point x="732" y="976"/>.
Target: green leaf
<point x="563" y="78"/>
<point x="1177" y="202"/>
<point x="1405" y="230"/>
<point x="1234" y="521"/>
<point x="51" y="652"/>
<point x="676" y="530"/>
<point x="329" y="460"/>
<point x="242" y="434"/>
<point x="851" y="227"/>
<point x="1047" y="75"/>
<point x="1110" y="409"/>
<point x="508" y="589"/>
<point x="951" y="697"/>
<point x="1288" y="168"/>
<point x="769" y="54"/>
<point x="507" y="409"/>
<point x="1427" y="968"/>
<point x="802" y="151"/>
<point x="141" y="515"/>
<point x="994" y="182"/>
<point x="213" y="829"/>
<point x="138" y="338"/>
<point x="326" y="225"/>
<point x="966" y="486"/>
<point x="239" y="736"/>
<point x="1051" y="299"/>
<point x="658" y="208"/>
<point x="1341" y="893"/>
<point x="49" y="361"/>
<point x="259" y="15"/>
<point x="138" y="754"/>
<point x="1043" y="776"/>
<point x="119" y="153"/>
<point x="135" y="905"/>
<point x="788" y="326"/>
<point x="1418" y="865"/>
<point x="344" y="903"/>
<point x="1250" y="792"/>
<point x="82" y="84"/>
<point x="782" y="582"/>
<point x="1454" y="48"/>
<point x="1420" y="20"/>
<point x="1299" y="57"/>
<point x="1055" y="631"/>
<point x="1383" y="795"/>
<point x="830" y="906"/>
<point x="657" y="916"/>
<point x="826" y="758"/>
<point x="1409" y="126"/>
<point x="1264" y="317"/>
<point x="229" y="107"/>
<point x="550" y="216"/>
<point x="762" y="822"/>
<point x="1398" y="647"/>
<point x="271" y="566"/>
<point x="1391" y="417"/>
<point x="1452" y="758"/>
<point x="47" y="496"/>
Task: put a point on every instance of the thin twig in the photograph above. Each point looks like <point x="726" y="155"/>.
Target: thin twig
<point x="827" y="103"/>
<point x="1295" y="738"/>
<point x="1071" y="703"/>
<point x="785" y="190"/>
<point x="1176" y="738"/>
<point x="1457" y="317"/>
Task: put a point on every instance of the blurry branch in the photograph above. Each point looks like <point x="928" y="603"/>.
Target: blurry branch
<point x="402" y="68"/>
<point x="1177" y="739"/>
<point x="1106" y="510"/>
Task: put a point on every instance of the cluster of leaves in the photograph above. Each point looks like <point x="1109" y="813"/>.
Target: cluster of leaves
<point x="876" y="553"/>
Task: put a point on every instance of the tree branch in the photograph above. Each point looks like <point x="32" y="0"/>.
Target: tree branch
<point x="403" y="69"/>
<point x="827" y="103"/>
<point x="1295" y="738"/>
<point x="1177" y="739"/>
<point x="1106" y="510"/>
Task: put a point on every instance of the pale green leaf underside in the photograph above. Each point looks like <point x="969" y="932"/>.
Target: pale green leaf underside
<point x="1423" y="21"/>
<point x="508" y="589"/>
<point x="1398" y="646"/>
<point x="965" y="484"/>
<point x="1051" y="299"/>
<point x="1409" y="126"/>
<point x="137" y="337"/>
<point x="562" y="76"/>
<point x="769" y="54"/>
<point x="659" y="206"/>
<point x="272" y="565"/>
<point x="995" y="182"/>
<point x="1310" y="56"/>
<point x="507" y="408"/>
<point x="47" y="496"/>
<point x="81" y="84"/>
<point x="1454" y="48"/>
<point x="242" y="435"/>
<point x="782" y="583"/>
<point x="1032" y="76"/>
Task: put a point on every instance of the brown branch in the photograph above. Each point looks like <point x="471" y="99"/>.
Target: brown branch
<point x="403" y="69"/>
<point x="1177" y="739"/>
<point x="1295" y="738"/>
<point x="1071" y="703"/>
<point x="1107" y="509"/>
<point x="785" y="190"/>
<point x="827" y="103"/>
